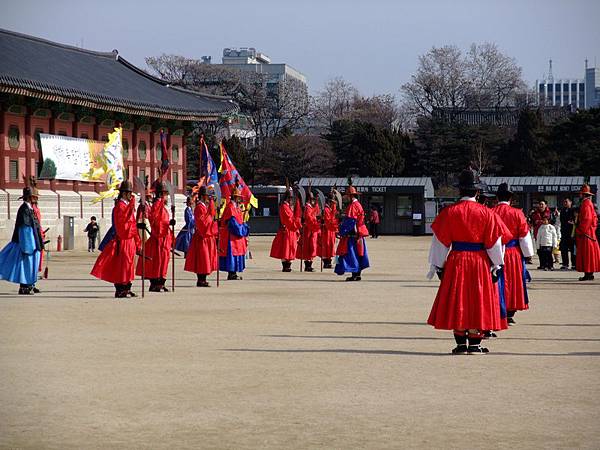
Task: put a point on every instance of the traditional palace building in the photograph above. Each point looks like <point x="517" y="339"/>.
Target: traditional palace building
<point x="46" y="87"/>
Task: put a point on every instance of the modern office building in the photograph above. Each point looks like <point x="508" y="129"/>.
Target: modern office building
<point x="250" y="60"/>
<point x="592" y="87"/>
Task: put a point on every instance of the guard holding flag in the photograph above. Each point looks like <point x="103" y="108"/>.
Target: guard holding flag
<point x="233" y="233"/>
<point x="115" y="263"/>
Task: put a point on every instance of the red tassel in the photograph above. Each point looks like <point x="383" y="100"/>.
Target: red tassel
<point x="46" y="273"/>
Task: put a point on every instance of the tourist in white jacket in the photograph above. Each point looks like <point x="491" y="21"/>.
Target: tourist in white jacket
<point x="546" y="241"/>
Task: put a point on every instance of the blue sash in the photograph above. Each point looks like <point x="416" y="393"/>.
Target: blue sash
<point x="501" y="293"/>
<point x="513" y="243"/>
<point x="525" y="274"/>
<point x="467" y="246"/>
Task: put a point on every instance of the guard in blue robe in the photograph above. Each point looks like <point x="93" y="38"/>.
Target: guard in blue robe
<point x="182" y="242"/>
<point x="20" y="259"/>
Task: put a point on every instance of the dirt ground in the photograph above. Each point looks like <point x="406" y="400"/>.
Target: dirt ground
<point x="292" y="361"/>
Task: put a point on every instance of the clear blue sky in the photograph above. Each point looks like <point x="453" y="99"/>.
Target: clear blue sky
<point x="373" y="44"/>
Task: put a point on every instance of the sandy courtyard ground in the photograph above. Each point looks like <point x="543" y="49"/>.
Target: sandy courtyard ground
<point x="292" y="361"/>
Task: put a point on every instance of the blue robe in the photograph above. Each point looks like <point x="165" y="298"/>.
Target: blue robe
<point x="231" y="263"/>
<point x="20" y="259"/>
<point x="351" y="262"/>
<point x="182" y="242"/>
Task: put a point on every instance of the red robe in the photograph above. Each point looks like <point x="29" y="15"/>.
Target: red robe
<point x="588" y="251"/>
<point x="239" y="244"/>
<point x="308" y="245"/>
<point x="328" y="232"/>
<point x="116" y="262"/>
<point x="158" y="246"/>
<point x="517" y="226"/>
<point x="38" y="216"/>
<point x="285" y="244"/>
<point x="467" y="297"/>
<point x="355" y="211"/>
<point x="202" y="253"/>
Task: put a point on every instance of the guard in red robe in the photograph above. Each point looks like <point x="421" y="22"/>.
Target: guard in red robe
<point x="308" y="244"/>
<point x="329" y="228"/>
<point x="518" y="248"/>
<point x="466" y="253"/>
<point x="285" y="244"/>
<point x="352" y="248"/>
<point x="158" y="246"/>
<point x="586" y="242"/>
<point x="115" y="263"/>
<point x="233" y="234"/>
<point x="201" y="257"/>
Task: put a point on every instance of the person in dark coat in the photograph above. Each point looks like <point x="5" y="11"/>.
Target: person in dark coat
<point x="20" y="259"/>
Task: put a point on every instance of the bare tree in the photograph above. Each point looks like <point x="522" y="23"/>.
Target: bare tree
<point x="272" y="105"/>
<point x="441" y="81"/>
<point x="380" y="110"/>
<point x="333" y="103"/>
<point x="445" y="78"/>
<point x="496" y="79"/>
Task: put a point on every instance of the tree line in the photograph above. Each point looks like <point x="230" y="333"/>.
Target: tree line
<point x="339" y="132"/>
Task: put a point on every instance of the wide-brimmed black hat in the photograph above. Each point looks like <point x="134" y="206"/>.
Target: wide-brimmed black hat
<point x="486" y="192"/>
<point x="504" y="188"/>
<point x="27" y="193"/>
<point x="126" y="186"/>
<point x="468" y="180"/>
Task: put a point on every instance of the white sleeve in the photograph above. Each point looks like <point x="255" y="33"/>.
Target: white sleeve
<point x="526" y="245"/>
<point x="496" y="253"/>
<point x="438" y="253"/>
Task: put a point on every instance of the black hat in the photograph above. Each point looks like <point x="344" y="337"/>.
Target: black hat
<point x="27" y="193"/>
<point x="126" y="186"/>
<point x="202" y="191"/>
<point x="504" y="188"/>
<point x="467" y="180"/>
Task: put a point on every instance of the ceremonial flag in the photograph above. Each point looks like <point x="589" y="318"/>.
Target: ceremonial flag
<point x="230" y="176"/>
<point x="208" y="170"/>
<point x="165" y="164"/>
<point x="111" y="160"/>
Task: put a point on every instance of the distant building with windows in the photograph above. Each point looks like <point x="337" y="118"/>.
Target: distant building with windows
<point x="578" y="93"/>
<point x="250" y="60"/>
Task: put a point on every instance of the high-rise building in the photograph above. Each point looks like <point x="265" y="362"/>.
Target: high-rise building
<point x="592" y="87"/>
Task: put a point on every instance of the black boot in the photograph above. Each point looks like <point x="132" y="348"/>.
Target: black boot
<point x="327" y="263"/>
<point x="120" y="290"/>
<point x="474" y="345"/>
<point x="510" y="317"/>
<point x="286" y="266"/>
<point x="25" y="289"/>
<point x="163" y="281"/>
<point x="461" y="343"/>
<point x="308" y="266"/>
<point x="154" y="285"/>
<point x="35" y="290"/>
<point x="233" y="276"/>
<point x="201" y="280"/>
<point x="588" y="276"/>
<point x="129" y="292"/>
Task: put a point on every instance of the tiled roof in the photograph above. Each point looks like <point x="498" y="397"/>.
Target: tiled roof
<point x="50" y="71"/>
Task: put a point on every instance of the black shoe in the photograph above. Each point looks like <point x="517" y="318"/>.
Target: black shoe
<point x="25" y="291"/>
<point x="286" y="269"/>
<point x="353" y="278"/>
<point x="35" y="290"/>
<point x="131" y="294"/>
<point x="586" y="278"/>
<point x="154" y="289"/>
<point x="202" y="284"/>
<point x="121" y="294"/>
<point x="510" y="320"/>
<point x="489" y="334"/>
<point x="460" y="350"/>
<point x="477" y="350"/>
<point x="233" y="276"/>
<point x="163" y="289"/>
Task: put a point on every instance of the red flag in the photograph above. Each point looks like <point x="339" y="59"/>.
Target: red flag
<point x="165" y="163"/>
<point x="230" y="177"/>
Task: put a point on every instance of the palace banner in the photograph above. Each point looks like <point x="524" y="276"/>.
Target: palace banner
<point x="68" y="158"/>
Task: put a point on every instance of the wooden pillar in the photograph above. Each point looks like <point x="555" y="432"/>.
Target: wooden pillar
<point x="183" y="157"/>
<point x="152" y="155"/>
<point x="134" y="150"/>
<point x="27" y="142"/>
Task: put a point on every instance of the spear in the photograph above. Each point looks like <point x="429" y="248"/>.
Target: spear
<point x="140" y="188"/>
<point x="171" y="190"/>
